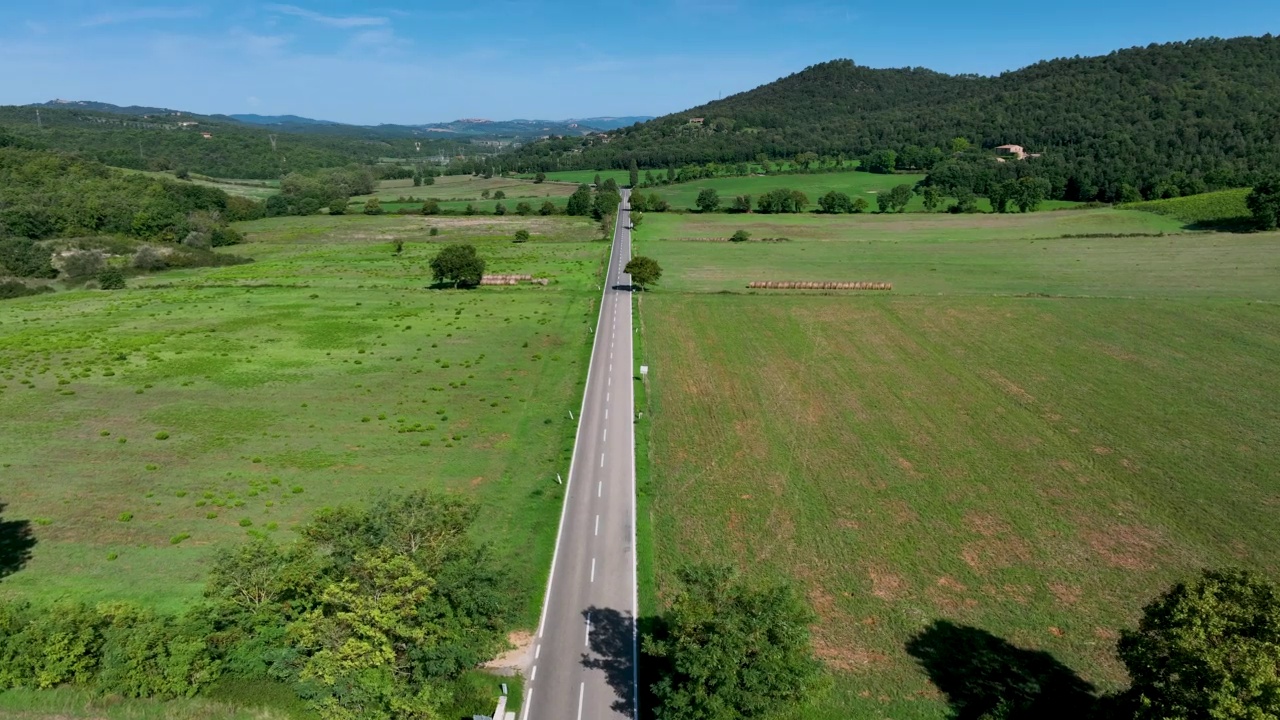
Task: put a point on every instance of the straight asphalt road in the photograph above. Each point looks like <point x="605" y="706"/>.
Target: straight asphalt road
<point x="584" y="655"/>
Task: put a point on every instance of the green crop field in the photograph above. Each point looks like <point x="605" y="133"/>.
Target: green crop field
<point x="958" y="254"/>
<point x="467" y="187"/>
<point x="951" y="469"/>
<point x="145" y="427"/>
<point x="575" y="177"/>
<point x="1225" y="207"/>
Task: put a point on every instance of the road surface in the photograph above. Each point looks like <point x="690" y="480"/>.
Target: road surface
<point x="584" y="655"/>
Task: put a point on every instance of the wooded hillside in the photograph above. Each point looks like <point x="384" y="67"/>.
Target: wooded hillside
<point x="1202" y="114"/>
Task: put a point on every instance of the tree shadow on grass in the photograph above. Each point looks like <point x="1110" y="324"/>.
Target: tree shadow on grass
<point x="982" y="674"/>
<point x="613" y="650"/>
<point x="16" y="541"/>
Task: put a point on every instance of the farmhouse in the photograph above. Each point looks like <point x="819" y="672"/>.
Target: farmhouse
<point x="697" y="121"/>
<point x="206" y="135"/>
<point x="1014" y="151"/>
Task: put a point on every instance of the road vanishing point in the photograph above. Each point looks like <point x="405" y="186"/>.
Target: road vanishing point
<point x="584" y="655"/>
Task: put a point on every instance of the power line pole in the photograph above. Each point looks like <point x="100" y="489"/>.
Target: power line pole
<point x="273" y="142"/>
<point x="39" y="122"/>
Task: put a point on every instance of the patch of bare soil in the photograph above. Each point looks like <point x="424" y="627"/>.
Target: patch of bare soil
<point x="886" y="585"/>
<point x="516" y="658"/>
<point x="1130" y="547"/>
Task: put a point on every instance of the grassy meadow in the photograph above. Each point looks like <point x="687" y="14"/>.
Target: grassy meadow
<point x="1221" y="208"/>
<point x="144" y="428"/>
<point x="1014" y="450"/>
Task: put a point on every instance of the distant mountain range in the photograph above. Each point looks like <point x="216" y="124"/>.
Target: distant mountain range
<point x="465" y="128"/>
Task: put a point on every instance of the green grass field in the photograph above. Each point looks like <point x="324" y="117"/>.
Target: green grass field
<point x="1222" y="208"/>
<point x="574" y="177"/>
<point x="1031" y="469"/>
<point x="143" y="428"/>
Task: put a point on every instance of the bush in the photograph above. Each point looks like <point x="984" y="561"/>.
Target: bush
<point x="434" y="232"/>
<point x="111" y="279"/>
<point x="80" y="264"/>
<point x="372" y="206"/>
<point x="522" y="236"/>
<point x="149" y="259"/>
<point x="24" y="257"/>
<point x="338" y="206"/>
<point x="430" y="207"/>
<point x="740" y="236"/>
<point x="10" y="289"/>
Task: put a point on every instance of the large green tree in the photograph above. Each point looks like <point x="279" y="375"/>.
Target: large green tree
<point x="457" y="264"/>
<point x="580" y="201"/>
<point x="1207" y="650"/>
<point x="644" y="271"/>
<point x="708" y="200"/>
<point x="727" y="648"/>
<point x="1264" y="203"/>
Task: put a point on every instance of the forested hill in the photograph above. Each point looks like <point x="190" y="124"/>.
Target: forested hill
<point x="170" y="142"/>
<point x="1204" y="113"/>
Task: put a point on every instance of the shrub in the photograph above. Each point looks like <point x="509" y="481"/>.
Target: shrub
<point x="149" y="259"/>
<point x="162" y="435"/>
<point x="434" y="231"/>
<point x="15" y="289"/>
<point x="524" y="208"/>
<point x="338" y="206"/>
<point x="372" y="206"/>
<point x="80" y="264"/>
<point x="111" y="279"/>
<point x="246" y="522"/>
<point x="125" y="517"/>
<point x="522" y="236"/>
<point x="740" y="236"/>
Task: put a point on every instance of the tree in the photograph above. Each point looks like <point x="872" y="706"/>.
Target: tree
<point x="636" y="218"/>
<point x="1210" y="649"/>
<point x="500" y="195"/>
<point x="428" y="179"/>
<point x="547" y="208"/>
<point x="835" y="202"/>
<point x="932" y="198"/>
<point x="605" y="203"/>
<point x="499" y="209"/>
<point x="633" y="174"/>
<point x="470" y="209"/>
<point x="524" y="208"/>
<point x="1000" y="194"/>
<point x="417" y="179"/>
<point x="1029" y="192"/>
<point x="730" y="649"/>
<point x="338" y="206"/>
<point x="1264" y="203"/>
<point x="579" y="202"/>
<point x="639" y="202"/>
<point x="657" y="203"/>
<point x="740" y="236"/>
<point x="596" y="180"/>
<point x="644" y="271"/>
<point x="522" y="236"/>
<point x="431" y="206"/>
<point x="741" y="204"/>
<point x="860" y="205"/>
<point x="539" y="178"/>
<point x="372" y="206"/>
<point x="484" y="194"/>
<point x="901" y="196"/>
<point x="81" y="264"/>
<point x="708" y="200"/>
<point x="457" y="264"/>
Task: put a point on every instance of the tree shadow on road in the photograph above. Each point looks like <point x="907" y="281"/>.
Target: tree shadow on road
<point x="984" y="675"/>
<point x="612" y="645"/>
<point x="16" y="541"/>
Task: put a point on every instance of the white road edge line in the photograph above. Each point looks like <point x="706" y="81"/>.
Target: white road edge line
<point x="581" y="689"/>
<point x="534" y="674"/>
<point x="593" y="579"/>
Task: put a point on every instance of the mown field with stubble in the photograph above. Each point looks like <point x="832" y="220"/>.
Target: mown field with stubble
<point x="976" y="491"/>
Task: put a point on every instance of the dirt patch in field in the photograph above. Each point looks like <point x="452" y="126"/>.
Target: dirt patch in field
<point x="1130" y="547"/>
<point x="516" y="658"/>
<point x="886" y="585"/>
<point x="1065" y="594"/>
<point x="1008" y="386"/>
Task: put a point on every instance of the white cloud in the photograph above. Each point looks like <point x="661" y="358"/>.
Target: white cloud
<point x="141" y="14"/>
<point x="351" y="21"/>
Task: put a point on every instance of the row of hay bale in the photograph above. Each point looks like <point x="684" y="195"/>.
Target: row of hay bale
<point x="511" y="280"/>
<point x="817" y="285"/>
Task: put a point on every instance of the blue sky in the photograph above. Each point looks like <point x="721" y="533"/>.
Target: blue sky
<point x="426" y="61"/>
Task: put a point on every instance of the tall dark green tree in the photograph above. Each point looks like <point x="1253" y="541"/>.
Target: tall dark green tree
<point x="580" y="201"/>
<point x="1207" y="649"/>
<point x="708" y="200"/>
<point x="1264" y="203"/>
<point x="644" y="271"/>
<point x="729" y="649"/>
<point x="633" y="174"/>
<point x="457" y="264"/>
